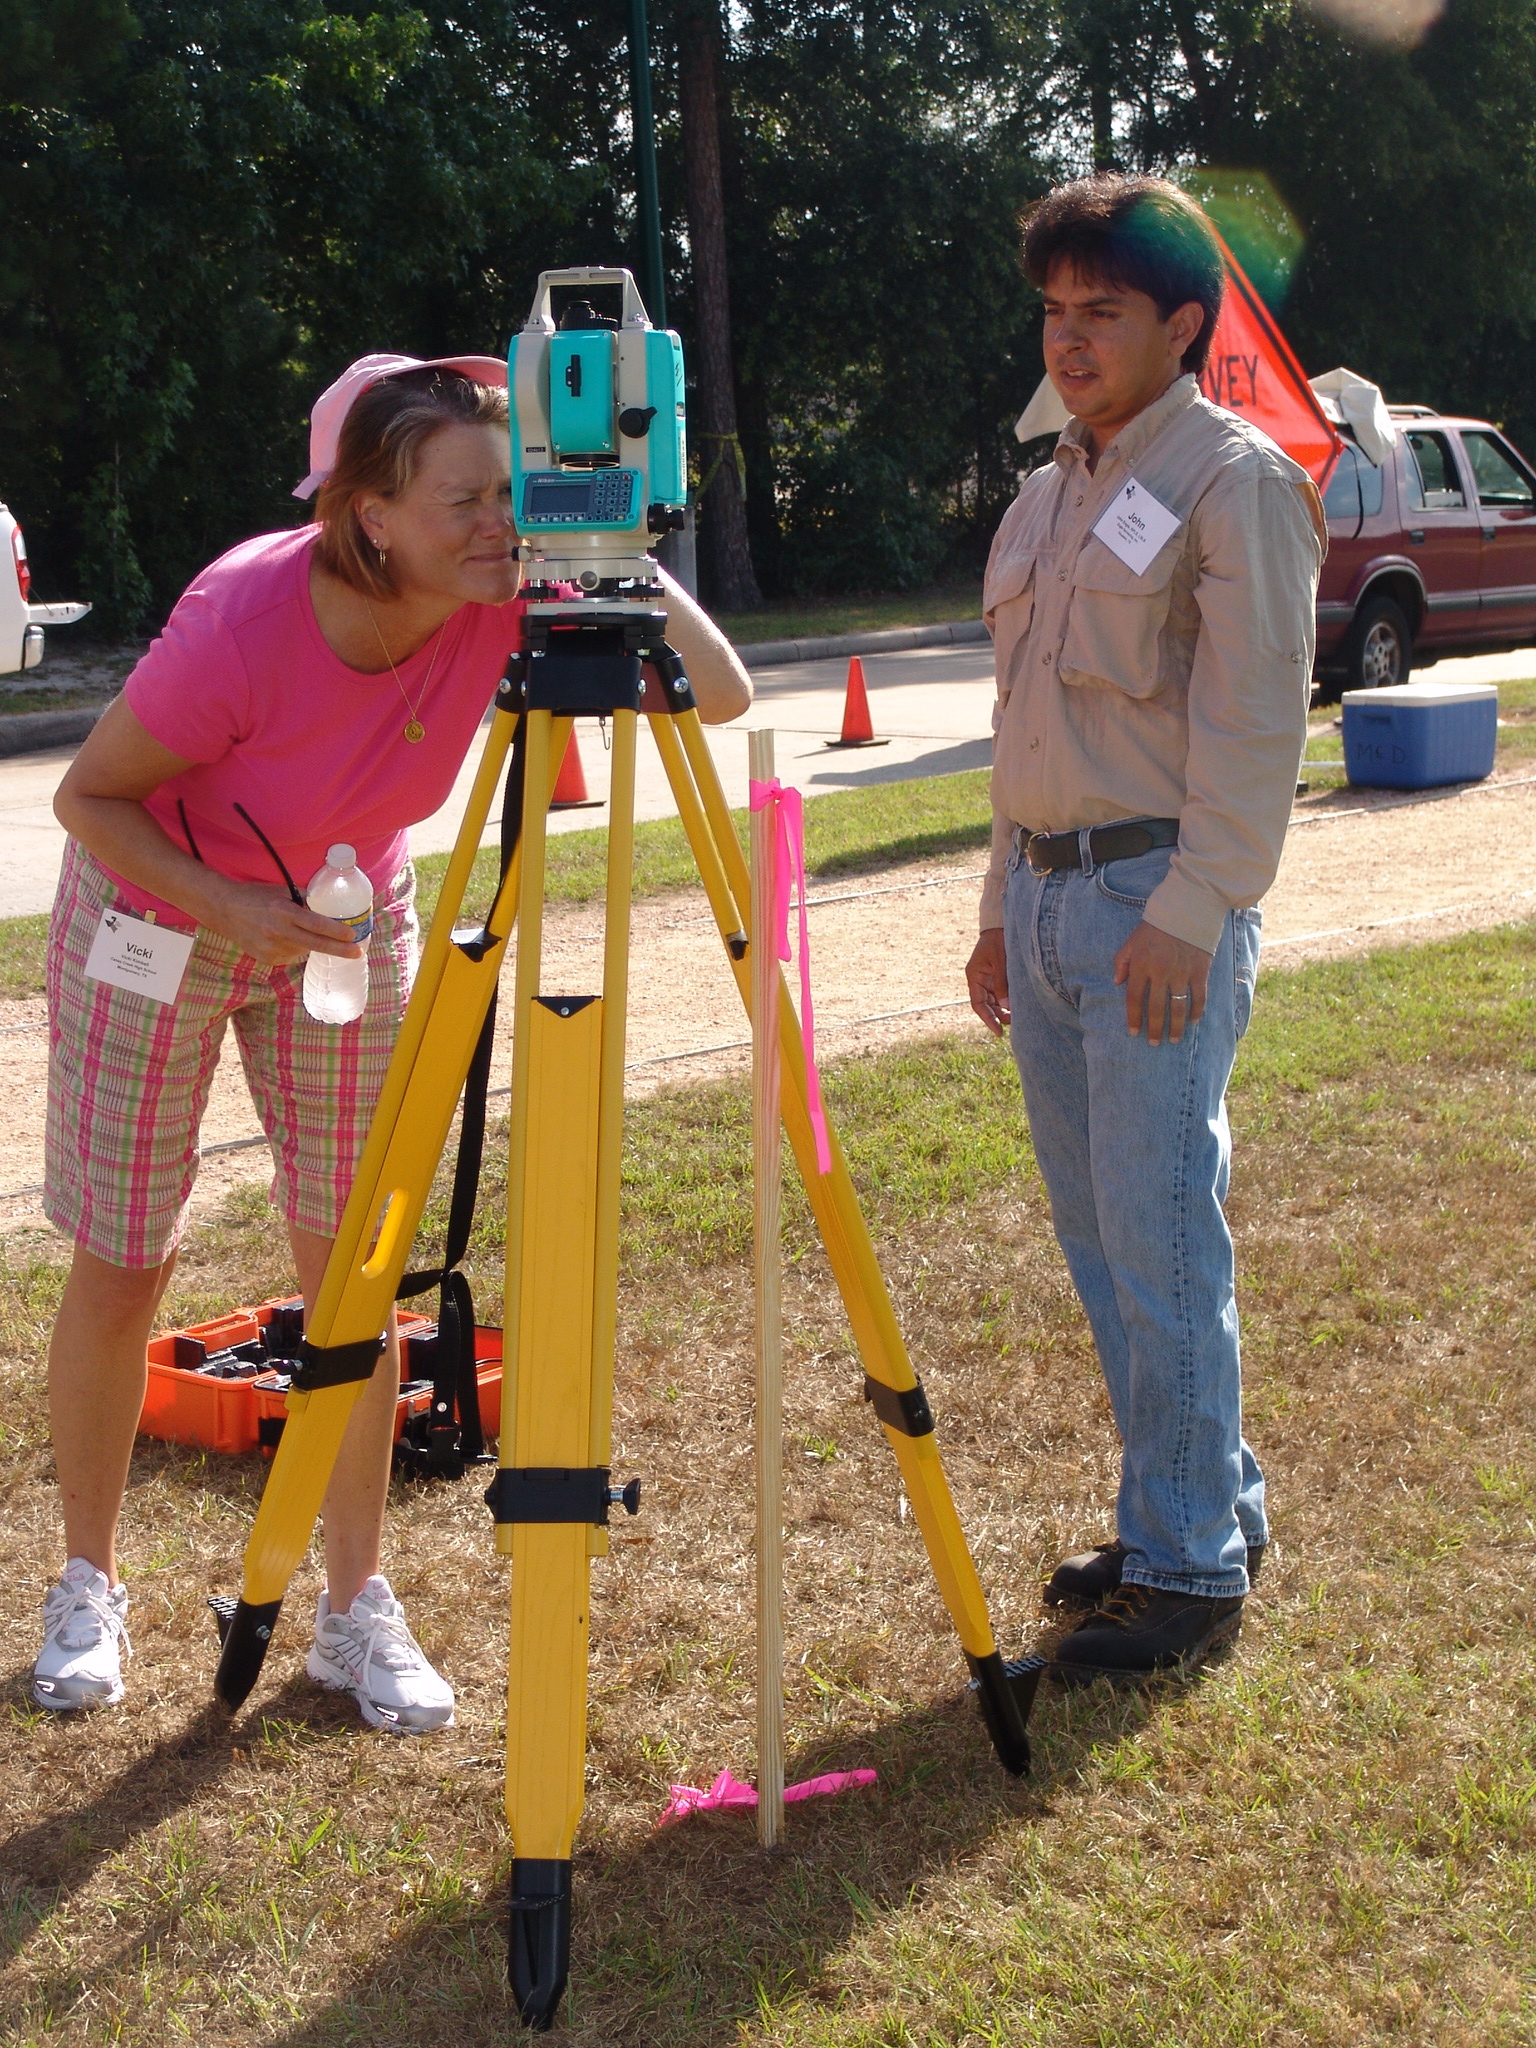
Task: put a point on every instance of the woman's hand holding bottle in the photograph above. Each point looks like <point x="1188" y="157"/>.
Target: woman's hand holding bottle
<point x="272" y="928"/>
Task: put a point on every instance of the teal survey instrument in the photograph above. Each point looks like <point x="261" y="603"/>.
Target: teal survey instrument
<point x="599" y="458"/>
<point x="553" y="1491"/>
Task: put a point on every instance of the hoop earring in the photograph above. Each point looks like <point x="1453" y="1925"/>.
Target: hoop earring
<point x="383" y="553"/>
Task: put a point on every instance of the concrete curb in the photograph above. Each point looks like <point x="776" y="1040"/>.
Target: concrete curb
<point x="893" y="640"/>
<point x="33" y="732"/>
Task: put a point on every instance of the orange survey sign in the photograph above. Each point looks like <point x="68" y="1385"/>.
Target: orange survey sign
<point x="1251" y="371"/>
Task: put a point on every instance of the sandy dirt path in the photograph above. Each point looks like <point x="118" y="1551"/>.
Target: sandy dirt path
<point x="1361" y="869"/>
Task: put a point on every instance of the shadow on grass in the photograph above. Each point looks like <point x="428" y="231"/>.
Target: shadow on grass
<point x="44" y="1865"/>
<point x="684" y="1936"/>
<point x="955" y="760"/>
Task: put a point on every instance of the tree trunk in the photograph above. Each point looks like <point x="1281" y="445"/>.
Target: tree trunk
<point x="1209" y="99"/>
<point x="727" y="556"/>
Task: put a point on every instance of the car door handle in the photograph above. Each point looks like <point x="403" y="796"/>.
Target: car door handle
<point x="1490" y="533"/>
<point x="1416" y="535"/>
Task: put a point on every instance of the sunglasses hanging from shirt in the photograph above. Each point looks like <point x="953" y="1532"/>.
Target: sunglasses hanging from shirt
<point x="452" y="1439"/>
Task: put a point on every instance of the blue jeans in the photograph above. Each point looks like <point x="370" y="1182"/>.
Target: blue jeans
<point x="1135" y="1149"/>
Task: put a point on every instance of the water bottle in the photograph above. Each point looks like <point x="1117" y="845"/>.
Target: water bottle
<point x="336" y="991"/>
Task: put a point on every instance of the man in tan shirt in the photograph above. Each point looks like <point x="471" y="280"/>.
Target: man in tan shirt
<point x="1151" y="595"/>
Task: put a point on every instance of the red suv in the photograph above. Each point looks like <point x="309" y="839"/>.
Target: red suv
<point x="1432" y="553"/>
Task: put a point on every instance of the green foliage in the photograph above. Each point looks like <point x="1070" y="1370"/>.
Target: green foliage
<point x="23" y="947"/>
<point x="1384" y="191"/>
<point x="212" y="205"/>
<point x="886" y="338"/>
<point x="857" y="516"/>
<point x="208" y="219"/>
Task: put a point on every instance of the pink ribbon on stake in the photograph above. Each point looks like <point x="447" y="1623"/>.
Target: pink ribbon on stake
<point x="728" y="1791"/>
<point x="789" y="872"/>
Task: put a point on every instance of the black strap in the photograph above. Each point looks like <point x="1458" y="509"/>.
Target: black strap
<point x="550" y="1493"/>
<point x="335" y="1365"/>
<point x="266" y="842"/>
<point x="907" y="1411"/>
<point x="181" y="806"/>
<point x="454" y="1434"/>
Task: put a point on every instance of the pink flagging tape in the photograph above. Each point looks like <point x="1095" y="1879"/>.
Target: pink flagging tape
<point x="789" y="867"/>
<point x="728" y="1791"/>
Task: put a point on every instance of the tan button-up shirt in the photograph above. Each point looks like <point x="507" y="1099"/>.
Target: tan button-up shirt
<point x="1179" y="692"/>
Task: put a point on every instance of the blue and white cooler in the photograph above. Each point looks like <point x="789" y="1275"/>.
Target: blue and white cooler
<point x="1420" y="735"/>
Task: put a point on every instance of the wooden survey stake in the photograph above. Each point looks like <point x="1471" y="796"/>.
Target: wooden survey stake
<point x="766" y="1182"/>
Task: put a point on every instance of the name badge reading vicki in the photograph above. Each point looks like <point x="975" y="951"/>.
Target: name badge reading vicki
<point x="129" y="952"/>
<point x="1135" y="526"/>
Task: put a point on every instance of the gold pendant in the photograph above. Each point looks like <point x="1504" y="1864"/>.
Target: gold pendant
<point x="415" y="732"/>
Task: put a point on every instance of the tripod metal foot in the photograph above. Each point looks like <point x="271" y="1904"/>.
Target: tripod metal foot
<point x="245" y="1634"/>
<point x="1005" y="1693"/>
<point x="539" y="1938"/>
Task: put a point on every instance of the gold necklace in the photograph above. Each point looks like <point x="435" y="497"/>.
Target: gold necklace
<point x="415" y="731"/>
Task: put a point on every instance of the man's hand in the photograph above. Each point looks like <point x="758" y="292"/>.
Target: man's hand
<point x="986" y="974"/>
<point x="1163" y="977"/>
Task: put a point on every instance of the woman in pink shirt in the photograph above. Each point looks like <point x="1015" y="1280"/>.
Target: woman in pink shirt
<point x="311" y="686"/>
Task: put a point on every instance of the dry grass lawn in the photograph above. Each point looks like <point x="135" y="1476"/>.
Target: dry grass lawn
<point x="1330" y="1840"/>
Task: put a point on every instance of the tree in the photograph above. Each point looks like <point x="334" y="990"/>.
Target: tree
<point x="205" y="224"/>
<point x="886" y="338"/>
<point x="1409" y="170"/>
<point x="212" y="205"/>
<point x="729" y="579"/>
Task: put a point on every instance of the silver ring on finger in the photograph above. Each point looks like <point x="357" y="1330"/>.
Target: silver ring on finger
<point x="1178" y="999"/>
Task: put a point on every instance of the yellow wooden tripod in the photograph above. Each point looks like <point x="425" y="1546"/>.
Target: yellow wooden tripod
<point x="551" y="1494"/>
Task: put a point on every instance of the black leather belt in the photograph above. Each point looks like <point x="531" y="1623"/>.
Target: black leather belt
<point x="1048" y="851"/>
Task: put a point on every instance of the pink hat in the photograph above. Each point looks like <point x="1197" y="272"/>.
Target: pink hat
<point x="335" y="402"/>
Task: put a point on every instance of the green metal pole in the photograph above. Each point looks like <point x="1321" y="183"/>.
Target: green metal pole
<point x="653" y="282"/>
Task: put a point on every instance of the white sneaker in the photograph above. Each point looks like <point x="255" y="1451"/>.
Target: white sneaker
<point x="369" y="1651"/>
<point x="83" y="1640"/>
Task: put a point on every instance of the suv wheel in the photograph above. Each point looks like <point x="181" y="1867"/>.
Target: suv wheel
<point x="1380" y="650"/>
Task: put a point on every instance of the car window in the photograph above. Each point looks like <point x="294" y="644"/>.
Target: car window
<point x="1433" y="481"/>
<point x="1341" y="500"/>
<point x="1500" y="479"/>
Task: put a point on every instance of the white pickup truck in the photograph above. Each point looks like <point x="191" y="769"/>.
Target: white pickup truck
<point x="21" y="622"/>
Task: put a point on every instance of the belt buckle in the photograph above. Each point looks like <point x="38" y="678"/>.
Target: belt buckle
<point x="1034" y="839"/>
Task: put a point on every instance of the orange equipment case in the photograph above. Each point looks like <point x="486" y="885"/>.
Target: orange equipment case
<point x="184" y="1404"/>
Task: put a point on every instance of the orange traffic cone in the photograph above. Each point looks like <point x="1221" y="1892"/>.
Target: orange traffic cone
<point x="858" y="728"/>
<point x="571" y="783"/>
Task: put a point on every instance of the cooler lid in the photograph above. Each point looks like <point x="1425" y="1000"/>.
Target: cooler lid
<point x="1423" y="693"/>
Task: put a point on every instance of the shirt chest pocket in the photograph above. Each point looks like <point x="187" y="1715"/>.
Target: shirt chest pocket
<point x="1011" y="582"/>
<point x="1116" y="619"/>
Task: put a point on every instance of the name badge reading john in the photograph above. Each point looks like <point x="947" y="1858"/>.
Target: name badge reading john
<point x="128" y="952"/>
<point x="1135" y="526"/>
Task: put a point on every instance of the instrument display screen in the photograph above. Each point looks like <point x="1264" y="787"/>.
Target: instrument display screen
<point x="604" y="498"/>
<point x="551" y="499"/>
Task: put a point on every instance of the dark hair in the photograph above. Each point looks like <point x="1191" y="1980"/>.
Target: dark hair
<point x="1142" y="234"/>
<point x="379" y="448"/>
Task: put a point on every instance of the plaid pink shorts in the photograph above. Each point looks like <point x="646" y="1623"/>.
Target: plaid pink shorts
<point x="128" y="1078"/>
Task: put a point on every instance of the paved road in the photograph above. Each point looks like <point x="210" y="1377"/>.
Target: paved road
<point x="933" y="707"/>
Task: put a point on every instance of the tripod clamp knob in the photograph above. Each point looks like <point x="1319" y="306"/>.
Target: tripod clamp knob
<point x="626" y="1497"/>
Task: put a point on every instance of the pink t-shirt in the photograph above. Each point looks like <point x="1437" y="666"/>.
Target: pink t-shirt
<point x="242" y="682"/>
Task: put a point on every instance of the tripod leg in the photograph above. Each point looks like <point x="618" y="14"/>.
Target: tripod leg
<point x="1005" y="1692"/>
<point x="547" y="1673"/>
<point x="394" y="1178"/>
<point x="551" y="1493"/>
